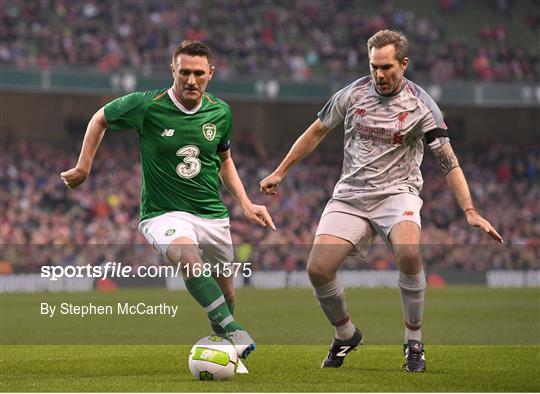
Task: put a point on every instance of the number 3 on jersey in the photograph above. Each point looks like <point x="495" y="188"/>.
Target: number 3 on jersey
<point x="191" y="165"/>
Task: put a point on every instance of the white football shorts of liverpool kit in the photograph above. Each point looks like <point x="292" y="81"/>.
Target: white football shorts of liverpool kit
<point x="360" y="218"/>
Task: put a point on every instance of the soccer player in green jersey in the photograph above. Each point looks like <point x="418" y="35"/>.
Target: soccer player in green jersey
<point x="184" y="138"/>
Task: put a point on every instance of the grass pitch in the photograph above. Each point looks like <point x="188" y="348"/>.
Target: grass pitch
<point x="477" y="339"/>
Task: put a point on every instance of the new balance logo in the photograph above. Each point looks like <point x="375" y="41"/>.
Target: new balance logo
<point x="343" y="351"/>
<point x="167" y="133"/>
<point x="361" y="112"/>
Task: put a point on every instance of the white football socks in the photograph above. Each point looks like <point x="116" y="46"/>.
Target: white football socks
<point x="345" y="331"/>
<point x="332" y="300"/>
<point x="412" y="289"/>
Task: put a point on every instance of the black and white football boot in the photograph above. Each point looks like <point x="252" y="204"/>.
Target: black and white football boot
<point x="414" y="356"/>
<point x="340" y="348"/>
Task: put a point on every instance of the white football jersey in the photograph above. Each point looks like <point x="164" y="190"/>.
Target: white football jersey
<point x="383" y="136"/>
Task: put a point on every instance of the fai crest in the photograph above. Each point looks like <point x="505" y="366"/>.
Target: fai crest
<point x="170" y="232"/>
<point x="209" y="131"/>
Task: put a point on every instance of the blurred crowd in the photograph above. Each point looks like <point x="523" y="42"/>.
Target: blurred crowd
<point x="286" y="39"/>
<point x="44" y="223"/>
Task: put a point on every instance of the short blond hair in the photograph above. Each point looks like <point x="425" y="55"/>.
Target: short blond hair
<point x="390" y="37"/>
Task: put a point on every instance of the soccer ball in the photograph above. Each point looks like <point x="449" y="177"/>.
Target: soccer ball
<point x="213" y="358"/>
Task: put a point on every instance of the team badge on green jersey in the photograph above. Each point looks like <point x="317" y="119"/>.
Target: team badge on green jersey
<point x="170" y="232"/>
<point x="209" y="131"/>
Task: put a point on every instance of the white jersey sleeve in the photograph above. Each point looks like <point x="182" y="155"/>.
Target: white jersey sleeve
<point x="432" y="125"/>
<point x="433" y="118"/>
<point x="335" y="110"/>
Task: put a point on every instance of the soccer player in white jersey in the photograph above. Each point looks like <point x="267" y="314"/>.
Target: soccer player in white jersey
<point x="385" y="117"/>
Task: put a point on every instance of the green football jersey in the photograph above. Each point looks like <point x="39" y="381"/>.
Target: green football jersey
<point x="179" y="150"/>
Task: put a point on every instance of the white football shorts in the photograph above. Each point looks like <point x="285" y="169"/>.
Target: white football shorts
<point x="360" y="220"/>
<point x="212" y="236"/>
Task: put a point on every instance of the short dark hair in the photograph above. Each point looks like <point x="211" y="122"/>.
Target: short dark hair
<point x="193" y="48"/>
<point x="387" y="37"/>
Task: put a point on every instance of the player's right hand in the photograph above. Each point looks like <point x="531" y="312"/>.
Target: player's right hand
<point x="270" y="184"/>
<point x="74" y="177"/>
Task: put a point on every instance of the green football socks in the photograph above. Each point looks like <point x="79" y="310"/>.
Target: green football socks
<point x="208" y="294"/>
<point x="216" y="328"/>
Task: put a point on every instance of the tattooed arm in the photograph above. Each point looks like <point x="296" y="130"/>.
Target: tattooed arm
<point x="455" y="178"/>
<point x="447" y="160"/>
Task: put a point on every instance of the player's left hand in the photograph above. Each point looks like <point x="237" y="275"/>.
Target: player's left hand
<point x="476" y="220"/>
<point x="258" y="214"/>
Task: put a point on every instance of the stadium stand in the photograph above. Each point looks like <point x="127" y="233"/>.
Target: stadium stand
<point x="298" y="40"/>
<point x="38" y="212"/>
